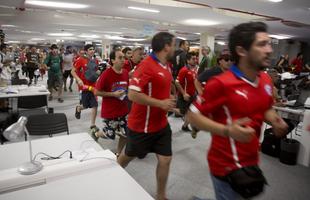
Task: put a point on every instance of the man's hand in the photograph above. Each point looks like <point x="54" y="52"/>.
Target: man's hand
<point x="80" y="82"/>
<point x="279" y="127"/>
<point x="239" y="131"/>
<point x="118" y="93"/>
<point x="186" y="97"/>
<point x="167" y="104"/>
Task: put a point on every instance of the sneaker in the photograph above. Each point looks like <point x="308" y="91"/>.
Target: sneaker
<point x="65" y="89"/>
<point x="186" y="129"/>
<point x="60" y="100"/>
<point x="70" y="89"/>
<point x="50" y="98"/>
<point x="77" y="113"/>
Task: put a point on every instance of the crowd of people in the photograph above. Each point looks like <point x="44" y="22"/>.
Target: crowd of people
<point x="227" y="95"/>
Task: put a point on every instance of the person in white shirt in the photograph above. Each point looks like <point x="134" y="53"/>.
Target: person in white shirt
<point x="68" y="57"/>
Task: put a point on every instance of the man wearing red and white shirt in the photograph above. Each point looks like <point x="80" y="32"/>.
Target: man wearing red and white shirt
<point x="234" y="106"/>
<point x="149" y="90"/>
<point x="131" y="63"/>
<point x="185" y="84"/>
<point x="112" y="86"/>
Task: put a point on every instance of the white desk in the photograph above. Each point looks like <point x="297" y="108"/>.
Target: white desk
<point x="302" y="115"/>
<point x="24" y="90"/>
<point x="108" y="182"/>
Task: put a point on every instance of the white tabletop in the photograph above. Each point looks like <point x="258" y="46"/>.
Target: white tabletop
<point x="23" y="90"/>
<point x="104" y="180"/>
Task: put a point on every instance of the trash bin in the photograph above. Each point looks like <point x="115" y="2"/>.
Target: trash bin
<point x="50" y="110"/>
<point x="289" y="151"/>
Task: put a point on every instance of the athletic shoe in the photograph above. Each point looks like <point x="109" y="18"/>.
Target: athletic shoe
<point x="70" y="89"/>
<point x="93" y="131"/>
<point x="77" y="113"/>
<point x="60" y="100"/>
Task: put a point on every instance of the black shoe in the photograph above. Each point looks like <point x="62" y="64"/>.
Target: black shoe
<point x="70" y="89"/>
<point x="65" y="89"/>
<point x="60" y="100"/>
<point x="50" y="98"/>
<point x="93" y="131"/>
<point x="186" y="129"/>
<point x="77" y="113"/>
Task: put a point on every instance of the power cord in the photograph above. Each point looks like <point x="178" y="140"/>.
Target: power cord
<point x="48" y="157"/>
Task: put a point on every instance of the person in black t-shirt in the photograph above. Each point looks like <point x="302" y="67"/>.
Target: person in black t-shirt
<point x="32" y="64"/>
<point x="223" y="61"/>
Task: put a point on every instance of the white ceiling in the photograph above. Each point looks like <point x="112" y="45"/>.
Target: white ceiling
<point x="106" y="17"/>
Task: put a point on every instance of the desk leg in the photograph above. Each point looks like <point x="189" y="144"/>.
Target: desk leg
<point x="304" y="151"/>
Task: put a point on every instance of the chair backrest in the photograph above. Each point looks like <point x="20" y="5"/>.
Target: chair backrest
<point x="30" y="102"/>
<point x="19" y="82"/>
<point x="47" y="124"/>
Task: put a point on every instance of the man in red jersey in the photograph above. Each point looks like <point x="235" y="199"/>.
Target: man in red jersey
<point x="297" y="63"/>
<point x="185" y="85"/>
<point x="233" y="107"/>
<point x="85" y="72"/>
<point x="149" y="90"/>
<point x="131" y="63"/>
<point x="112" y="86"/>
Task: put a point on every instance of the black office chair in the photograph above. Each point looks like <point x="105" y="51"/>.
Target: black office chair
<point x="19" y="82"/>
<point x="47" y="124"/>
<point x="30" y="105"/>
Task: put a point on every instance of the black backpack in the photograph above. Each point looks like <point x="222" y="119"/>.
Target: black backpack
<point x="91" y="71"/>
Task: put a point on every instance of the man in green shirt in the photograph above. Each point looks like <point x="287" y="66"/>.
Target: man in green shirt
<point x="53" y="63"/>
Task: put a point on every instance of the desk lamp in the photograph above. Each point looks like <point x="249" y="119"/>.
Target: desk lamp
<point x="16" y="132"/>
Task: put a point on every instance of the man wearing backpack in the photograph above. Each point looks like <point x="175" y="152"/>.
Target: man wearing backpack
<point x="53" y="63"/>
<point x="86" y="73"/>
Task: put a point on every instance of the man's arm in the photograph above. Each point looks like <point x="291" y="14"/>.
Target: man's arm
<point x="141" y="98"/>
<point x="77" y="78"/>
<point x="237" y="130"/>
<point x="278" y="124"/>
<point x="115" y="94"/>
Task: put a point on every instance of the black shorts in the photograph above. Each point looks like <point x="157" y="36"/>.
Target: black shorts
<point x="54" y="80"/>
<point x="140" y="144"/>
<point x="88" y="100"/>
<point x="67" y="73"/>
<point x="184" y="105"/>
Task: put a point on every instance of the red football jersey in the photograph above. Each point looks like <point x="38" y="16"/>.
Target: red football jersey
<point x="110" y="81"/>
<point x="186" y="78"/>
<point x="154" y="80"/>
<point x="129" y="65"/>
<point x="230" y="97"/>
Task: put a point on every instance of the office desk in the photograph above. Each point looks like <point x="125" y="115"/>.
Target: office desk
<point x="105" y="179"/>
<point x="24" y="90"/>
<point x="302" y="115"/>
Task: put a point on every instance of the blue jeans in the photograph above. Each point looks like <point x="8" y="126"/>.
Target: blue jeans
<point x="223" y="190"/>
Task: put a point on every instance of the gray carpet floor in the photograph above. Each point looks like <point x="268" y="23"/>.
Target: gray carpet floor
<point x="189" y="172"/>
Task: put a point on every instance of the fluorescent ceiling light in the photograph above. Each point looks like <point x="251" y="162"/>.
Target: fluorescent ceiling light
<point x="275" y="1"/>
<point x="56" y="4"/>
<point x="60" y="34"/>
<point x="182" y="38"/>
<point x="37" y="39"/>
<point x="143" y="9"/>
<point x="13" y="42"/>
<point x="221" y="43"/>
<point x="88" y="36"/>
<point x="99" y="44"/>
<point x="7" y="25"/>
<point x="200" y="22"/>
<point x="280" y="37"/>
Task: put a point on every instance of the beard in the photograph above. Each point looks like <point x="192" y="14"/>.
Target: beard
<point x="259" y="65"/>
